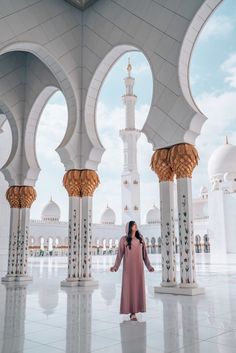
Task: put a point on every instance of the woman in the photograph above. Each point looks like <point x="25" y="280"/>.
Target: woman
<point x="132" y="246"/>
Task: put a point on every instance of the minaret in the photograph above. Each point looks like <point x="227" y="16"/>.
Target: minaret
<point x="130" y="181"/>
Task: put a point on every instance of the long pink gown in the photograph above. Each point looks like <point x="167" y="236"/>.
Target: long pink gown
<point x="133" y="295"/>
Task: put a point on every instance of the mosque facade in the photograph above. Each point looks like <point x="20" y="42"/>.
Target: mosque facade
<point x="213" y="210"/>
<point x="51" y="46"/>
<point x="48" y="236"/>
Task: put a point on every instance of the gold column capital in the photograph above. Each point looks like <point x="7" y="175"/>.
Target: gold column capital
<point x="71" y="182"/>
<point x="183" y="159"/>
<point x="13" y="196"/>
<point x="27" y="196"/>
<point x="89" y="182"/>
<point x="20" y="196"/>
<point x="80" y="182"/>
<point x="161" y="166"/>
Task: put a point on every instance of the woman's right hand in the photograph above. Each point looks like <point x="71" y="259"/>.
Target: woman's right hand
<point x="113" y="269"/>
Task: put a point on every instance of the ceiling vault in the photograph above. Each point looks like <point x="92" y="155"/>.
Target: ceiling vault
<point x="81" y="4"/>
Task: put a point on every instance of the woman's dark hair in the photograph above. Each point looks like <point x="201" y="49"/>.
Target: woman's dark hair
<point x="129" y="234"/>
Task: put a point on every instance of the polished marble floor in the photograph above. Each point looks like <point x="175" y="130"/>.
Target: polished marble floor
<point x="42" y="317"/>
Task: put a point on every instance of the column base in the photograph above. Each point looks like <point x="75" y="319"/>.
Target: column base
<point x="70" y="282"/>
<point x="16" y="279"/>
<point x="88" y="282"/>
<point x="168" y="284"/>
<point x="177" y="290"/>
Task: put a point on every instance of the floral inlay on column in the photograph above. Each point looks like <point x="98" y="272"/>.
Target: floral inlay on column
<point x="183" y="160"/>
<point x="160" y="164"/>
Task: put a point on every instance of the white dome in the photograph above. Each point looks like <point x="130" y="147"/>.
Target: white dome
<point x="153" y="215"/>
<point x="222" y="160"/>
<point x="108" y="216"/>
<point x="51" y="212"/>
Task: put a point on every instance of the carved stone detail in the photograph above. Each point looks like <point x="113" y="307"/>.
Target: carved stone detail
<point x="71" y="182"/>
<point x="89" y="182"/>
<point x="161" y="166"/>
<point x="27" y="196"/>
<point x="13" y="196"/>
<point x="183" y="159"/>
<point x="81" y="182"/>
<point x="21" y="196"/>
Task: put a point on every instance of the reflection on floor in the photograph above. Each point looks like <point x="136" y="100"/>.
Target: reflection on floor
<point x="41" y="317"/>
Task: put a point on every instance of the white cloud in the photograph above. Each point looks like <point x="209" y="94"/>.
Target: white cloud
<point x="216" y="26"/>
<point x="229" y="67"/>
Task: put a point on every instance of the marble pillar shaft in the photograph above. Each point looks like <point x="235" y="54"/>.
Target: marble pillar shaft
<point x="18" y="242"/>
<point x="20" y="198"/>
<point x="167" y="233"/>
<point x="74" y="240"/>
<point x="86" y="238"/>
<point x="23" y="242"/>
<point x="80" y="185"/>
<point x="13" y="242"/>
<point x="186" y="233"/>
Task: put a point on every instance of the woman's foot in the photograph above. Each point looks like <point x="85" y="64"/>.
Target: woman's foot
<point x="133" y="317"/>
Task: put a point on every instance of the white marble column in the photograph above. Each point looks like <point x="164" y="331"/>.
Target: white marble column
<point x="71" y="182"/>
<point x="89" y="182"/>
<point x="183" y="159"/>
<point x="80" y="185"/>
<point x="20" y="199"/>
<point x="13" y="244"/>
<point x="160" y="164"/>
<point x="186" y="233"/>
<point x="167" y="234"/>
<point x="23" y="243"/>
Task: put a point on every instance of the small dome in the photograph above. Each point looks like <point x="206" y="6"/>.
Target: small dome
<point x="222" y="161"/>
<point x="108" y="216"/>
<point x="153" y="215"/>
<point x="51" y="212"/>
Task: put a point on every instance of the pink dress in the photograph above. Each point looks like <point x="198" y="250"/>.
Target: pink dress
<point x="133" y="295"/>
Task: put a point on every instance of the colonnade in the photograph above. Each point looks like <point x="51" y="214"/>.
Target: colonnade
<point x="177" y="161"/>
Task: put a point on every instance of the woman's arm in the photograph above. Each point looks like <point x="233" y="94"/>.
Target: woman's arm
<point x="146" y="258"/>
<point x="120" y="254"/>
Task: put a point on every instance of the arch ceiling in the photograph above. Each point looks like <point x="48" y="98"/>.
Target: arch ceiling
<point x="79" y="48"/>
<point x="81" y="4"/>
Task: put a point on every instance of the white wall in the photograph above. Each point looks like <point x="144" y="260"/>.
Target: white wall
<point x="5" y="143"/>
<point x="216" y="228"/>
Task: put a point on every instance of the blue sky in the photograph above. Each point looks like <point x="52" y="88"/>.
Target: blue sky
<point x="213" y="85"/>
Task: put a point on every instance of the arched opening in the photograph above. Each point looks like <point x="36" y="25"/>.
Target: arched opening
<point x="5" y="148"/>
<point x="50" y="246"/>
<point x="153" y="245"/>
<point x="212" y="88"/>
<point x="42" y="246"/>
<point x="112" y="117"/>
<point x="198" y="245"/>
<point x="41" y="89"/>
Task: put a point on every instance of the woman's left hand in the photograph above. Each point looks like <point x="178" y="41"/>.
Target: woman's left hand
<point x="151" y="269"/>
